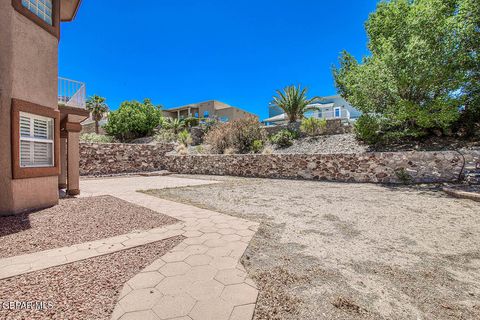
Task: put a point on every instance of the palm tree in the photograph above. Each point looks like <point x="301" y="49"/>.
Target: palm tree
<point x="97" y="107"/>
<point x="174" y="124"/>
<point x="294" y="102"/>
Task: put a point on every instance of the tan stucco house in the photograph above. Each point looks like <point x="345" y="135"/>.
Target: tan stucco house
<point x="208" y="109"/>
<point x="38" y="138"/>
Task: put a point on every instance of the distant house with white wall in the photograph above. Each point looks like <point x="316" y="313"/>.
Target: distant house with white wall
<point x="331" y="107"/>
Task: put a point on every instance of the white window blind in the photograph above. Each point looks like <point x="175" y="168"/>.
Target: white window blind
<point x="41" y="8"/>
<point x="36" y="141"/>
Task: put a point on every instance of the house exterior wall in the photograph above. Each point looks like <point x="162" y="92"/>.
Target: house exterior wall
<point x="28" y="71"/>
<point x="6" y="52"/>
<point x="337" y="100"/>
<point x="212" y="108"/>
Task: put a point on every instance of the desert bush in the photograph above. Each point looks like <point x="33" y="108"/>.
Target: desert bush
<point x="184" y="138"/>
<point x="133" y="120"/>
<point x="97" y="138"/>
<point x="238" y="135"/>
<point x="181" y="150"/>
<point x="165" y="136"/>
<point x="403" y="176"/>
<point x="191" y="122"/>
<point x="229" y="151"/>
<point x="313" y="126"/>
<point x="283" y="138"/>
<point x="210" y="123"/>
<point x="257" y="146"/>
<point x="267" y="150"/>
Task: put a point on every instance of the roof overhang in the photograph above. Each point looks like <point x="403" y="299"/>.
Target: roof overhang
<point x="280" y="117"/>
<point x="69" y="9"/>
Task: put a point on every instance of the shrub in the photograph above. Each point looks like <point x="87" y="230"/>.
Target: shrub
<point x="283" y="138"/>
<point x="367" y="129"/>
<point x="175" y="125"/>
<point x="257" y="146"/>
<point x="403" y="176"/>
<point x="133" y="120"/>
<point x="313" y="126"/>
<point x="184" y="138"/>
<point x="93" y="137"/>
<point x="210" y="123"/>
<point x="267" y="150"/>
<point x="229" y="151"/>
<point x="165" y="136"/>
<point x="191" y="122"/>
<point x="181" y="150"/>
<point x="238" y="135"/>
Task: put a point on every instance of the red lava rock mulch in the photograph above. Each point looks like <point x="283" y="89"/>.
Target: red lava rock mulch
<point x="75" y="221"/>
<point x="86" y="289"/>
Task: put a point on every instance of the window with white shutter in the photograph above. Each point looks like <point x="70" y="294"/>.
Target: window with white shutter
<point x="36" y="140"/>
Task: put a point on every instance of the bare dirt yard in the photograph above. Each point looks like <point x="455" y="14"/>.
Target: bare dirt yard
<point x="352" y="251"/>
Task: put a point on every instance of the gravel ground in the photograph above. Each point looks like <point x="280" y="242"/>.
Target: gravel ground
<point x="352" y="251"/>
<point x="339" y="143"/>
<point x="72" y="221"/>
<point x="84" y="290"/>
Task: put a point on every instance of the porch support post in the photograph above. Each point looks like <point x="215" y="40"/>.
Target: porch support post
<point x="62" y="178"/>
<point x="73" y="160"/>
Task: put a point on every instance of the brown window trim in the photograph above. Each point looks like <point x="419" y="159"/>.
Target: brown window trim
<point x="19" y="172"/>
<point x="53" y="29"/>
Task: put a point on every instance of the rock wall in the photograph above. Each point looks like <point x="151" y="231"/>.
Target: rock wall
<point x="114" y="158"/>
<point x="472" y="167"/>
<point x="387" y="167"/>
<point x="383" y="167"/>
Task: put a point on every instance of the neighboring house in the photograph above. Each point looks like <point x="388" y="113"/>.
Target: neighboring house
<point x="332" y="107"/>
<point x="39" y="138"/>
<point x="207" y="109"/>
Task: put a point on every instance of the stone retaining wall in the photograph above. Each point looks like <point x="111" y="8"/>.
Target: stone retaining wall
<point x="114" y="158"/>
<point x="384" y="167"/>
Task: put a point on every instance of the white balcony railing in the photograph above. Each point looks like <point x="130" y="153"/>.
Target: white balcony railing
<point x="332" y="114"/>
<point x="71" y="93"/>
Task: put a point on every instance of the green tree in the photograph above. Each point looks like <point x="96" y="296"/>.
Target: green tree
<point x="133" y="119"/>
<point x="469" y="35"/>
<point x="415" y="80"/>
<point x="97" y="107"/>
<point x="294" y="102"/>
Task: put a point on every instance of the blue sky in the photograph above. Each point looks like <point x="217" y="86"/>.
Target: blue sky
<point x="184" y="51"/>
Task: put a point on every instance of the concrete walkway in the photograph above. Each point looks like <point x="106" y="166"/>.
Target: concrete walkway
<point x="201" y="278"/>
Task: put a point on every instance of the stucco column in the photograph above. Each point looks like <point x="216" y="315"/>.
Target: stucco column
<point x="62" y="178"/>
<point x="73" y="170"/>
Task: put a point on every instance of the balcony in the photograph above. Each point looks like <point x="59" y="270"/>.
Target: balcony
<point x="71" y="93"/>
<point x="337" y="113"/>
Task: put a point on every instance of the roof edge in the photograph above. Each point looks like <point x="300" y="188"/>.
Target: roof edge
<point x="74" y="15"/>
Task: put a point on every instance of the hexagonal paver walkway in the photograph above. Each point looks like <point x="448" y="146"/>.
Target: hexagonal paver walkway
<point x="201" y="278"/>
<point x="17" y="265"/>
